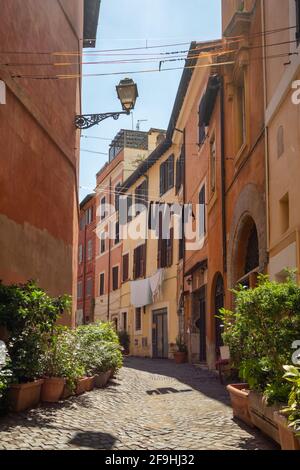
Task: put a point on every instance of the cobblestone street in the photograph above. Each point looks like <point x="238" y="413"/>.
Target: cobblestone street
<point x="150" y="405"/>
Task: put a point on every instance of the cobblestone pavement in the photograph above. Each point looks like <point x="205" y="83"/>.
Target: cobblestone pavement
<point x="150" y="405"/>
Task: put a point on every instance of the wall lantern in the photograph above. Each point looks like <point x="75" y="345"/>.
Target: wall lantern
<point x="127" y="93"/>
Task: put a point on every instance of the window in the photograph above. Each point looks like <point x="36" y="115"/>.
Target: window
<point x="125" y="269"/>
<point x="141" y="196"/>
<point x="102" y="208"/>
<point x="89" y="215"/>
<point x="139" y="261"/>
<point x="80" y="254"/>
<point x="202" y="212"/>
<point x="213" y="164"/>
<point x="241" y="113"/>
<point x="102" y="243"/>
<point x="129" y="208"/>
<point x="79" y="290"/>
<point x="89" y="287"/>
<point x="298" y="21"/>
<point x="124" y="321"/>
<point x="102" y="285"/>
<point x="164" y="247"/>
<point x="82" y="223"/>
<point x="138" y="319"/>
<point x="117" y="233"/>
<point x="117" y="196"/>
<point x="179" y="171"/>
<point x="167" y="175"/>
<point x="115" y="277"/>
<point x="201" y="125"/>
<point x="284" y="213"/>
<point x="90" y="250"/>
<point x="280" y="142"/>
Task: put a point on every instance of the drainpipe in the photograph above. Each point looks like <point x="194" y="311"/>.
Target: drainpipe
<point x="84" y="273"/>
<point x="223" y="177"/>
<point x="265" y="127"/>
<point x="109" y="259"/>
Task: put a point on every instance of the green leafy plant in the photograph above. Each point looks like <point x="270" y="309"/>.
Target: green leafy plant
<point x="292" y="375"/>
<point x="28" y="315"/>
<point x="5" y="377"/>
<point x="61" y="357"/>
<point x="181" y="346"/>
<point x="260" y="332"/>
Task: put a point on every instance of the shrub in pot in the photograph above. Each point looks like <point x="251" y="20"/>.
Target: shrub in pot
<point x="259" y="333"/>
<point x="5" y="378"/>
<point x="288" y="419"/>
<point x="61" y="365"/>
<point x="180" y="356"/>
<point x="27" y="314"/>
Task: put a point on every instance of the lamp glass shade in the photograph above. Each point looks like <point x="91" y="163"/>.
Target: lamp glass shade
<point x="127" y="94"/>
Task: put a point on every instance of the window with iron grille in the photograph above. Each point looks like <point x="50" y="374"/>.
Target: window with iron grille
<point x="125" y="269"/>
<point x="138" y="319"/>
<point x="139" y="262"/>
<point x="115" y="277"/>
<point x="167" y="175"/>
<point x="102" y="285"/>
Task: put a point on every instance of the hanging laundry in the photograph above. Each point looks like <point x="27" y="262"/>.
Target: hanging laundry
<point x="156" y="282"/>
<point x="141" y="293"/>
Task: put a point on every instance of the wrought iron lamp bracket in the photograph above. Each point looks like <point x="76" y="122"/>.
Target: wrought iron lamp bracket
<point x="85" y="121"/>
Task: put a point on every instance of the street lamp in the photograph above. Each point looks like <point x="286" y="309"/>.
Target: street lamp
<point x="127" y="93"/>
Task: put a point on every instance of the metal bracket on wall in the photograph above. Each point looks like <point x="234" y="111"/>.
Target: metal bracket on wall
<point x="85" y="121"/>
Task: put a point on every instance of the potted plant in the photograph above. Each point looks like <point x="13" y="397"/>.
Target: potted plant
<point x="60" y="365"/>
<point x="239" y="396"/>
<point x="180" y="356"/>
<point x="288" y="419"/>
<point x="259" y="333"/>
<point x="27" y="314"/>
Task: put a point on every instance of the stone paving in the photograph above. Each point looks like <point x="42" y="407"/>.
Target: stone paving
<point x="152" y="404"/>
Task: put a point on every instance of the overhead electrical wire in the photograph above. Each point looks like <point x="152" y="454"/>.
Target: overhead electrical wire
<point x="204" y="43"/>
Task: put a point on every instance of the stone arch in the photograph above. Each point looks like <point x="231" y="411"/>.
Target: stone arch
<point x="249" y="211"/>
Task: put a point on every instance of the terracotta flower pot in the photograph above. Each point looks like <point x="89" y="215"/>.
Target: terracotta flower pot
<point x="112" y="373"/>
<point x="180" y="357"/>
<point x="25" y="396"/>
<point x="80" y="386"/>
<point x="239" y="396"/>
<point x="262" y="415"/>
<point x="102" y="379"/>
<point x="89" y="384"/>
<point x="288" y="439"/>
<point x="52" y="389"/>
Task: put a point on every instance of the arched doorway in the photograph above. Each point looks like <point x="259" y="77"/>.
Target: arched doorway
<point x="247" y="261"/>
<point x="218" y="304"/>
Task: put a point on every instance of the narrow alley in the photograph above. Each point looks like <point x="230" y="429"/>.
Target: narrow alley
<point x="152" y="404"/>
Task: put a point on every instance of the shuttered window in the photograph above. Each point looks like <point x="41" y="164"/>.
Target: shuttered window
<point x="298" y="21"/>
<point x="165" y="247"/>
<point x="125" y="267"/>
<point x="167" y="175"/>
<point x="141" y="196"/>
<point x="117" y="197"/>
<point x="139" y="262"/>
<point x="115" y="277"/>
<point x="138" y="319"/>
<point x="102" y="284"/>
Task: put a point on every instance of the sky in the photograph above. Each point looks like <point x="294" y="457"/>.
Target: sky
<point x="131" y="24"/>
